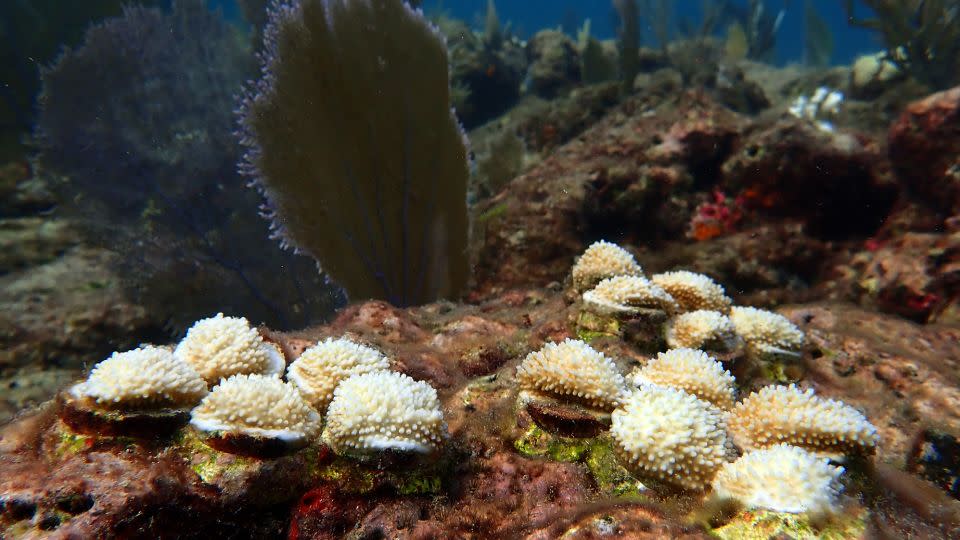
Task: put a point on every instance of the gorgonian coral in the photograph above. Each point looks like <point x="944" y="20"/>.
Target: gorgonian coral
<point x="138" y="121"/>
<point x="351" y="137"/>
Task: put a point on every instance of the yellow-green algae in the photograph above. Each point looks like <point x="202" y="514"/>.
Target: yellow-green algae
<point x="360" y="477"/>
<point x="591" y="326"/>
<point x="210" y="464"/>
<point x="70" y="442"/>
<point x="596" y="453"/>
<point x="765" y="524"/>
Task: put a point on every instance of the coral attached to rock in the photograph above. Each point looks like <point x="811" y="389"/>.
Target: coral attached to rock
<point x="692" y="371"/>
<point x="572" y="371"/>
<point x="693" y="291"/>
<point x="145" y="378"/>
<point x="256" y="407"/>
<point x="671" y="436"/>
<point x="766" y="333"/>
<point x="602" y="260"/>
<point x="319" y="369"/>
<point x="786" y="414"/>
<point x="626" y="295"/>
<point x="781" y="478"/>
<point x="219" y="347"/>
<point x="703" y="329"/>
<point x="384" y="410"/>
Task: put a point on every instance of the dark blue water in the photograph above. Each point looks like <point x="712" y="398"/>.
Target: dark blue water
<point x="529" y="16"/>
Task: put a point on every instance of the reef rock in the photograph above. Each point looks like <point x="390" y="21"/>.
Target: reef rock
<point x="924" y="148"/>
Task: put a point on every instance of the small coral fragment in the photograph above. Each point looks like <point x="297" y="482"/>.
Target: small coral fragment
<point x="384" y="410"/>
<point x="692" y="371"/>
<point x="572" y="371"/>
<point x="693" y="291"/>
<point x="627" y="295"/>
<point x="786" y="414"/>
<point x="219" y="347"/>
<point x="703" y="329"/>
<point x="671" y="436"/>
<point x="602" y="260"/>
<point x="766" y="333"/>
<point x="781" y="478"/>
<point x="145" y="378"/>
<point x="322" y="367"/>
<point x="258" y="407"/>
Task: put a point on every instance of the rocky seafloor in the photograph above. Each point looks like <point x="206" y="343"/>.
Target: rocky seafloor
<point x="852" y="234"/>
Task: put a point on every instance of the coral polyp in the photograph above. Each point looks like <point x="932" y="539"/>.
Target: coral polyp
<point x="319" y="369"/>
<point x="692" y="371"/>
<point x="787" y="414"/>
<point x="257" y="415"/>
<point x="572" y="371"/>
<point x="384" y="411"/>
<point x="693" y="291"/>
<point x="781" y="478"/>
<point x="671" y="436"/>
<point x="603" y="260"/>
<point x="219" y="347"/>
<point x="628" y="295"/>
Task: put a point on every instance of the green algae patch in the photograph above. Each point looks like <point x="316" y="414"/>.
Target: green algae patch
<point x="69" y="443"/>
<point x="359" y="477"/>
<point x="591" y="326"/>
<point x="210" y="464"/>
<point x="764" y="524"/>
<point x="537" y="443"/>
<point x="493" y="213"/>
<point x="597" y="453"/>
<point x="612" y="478"/>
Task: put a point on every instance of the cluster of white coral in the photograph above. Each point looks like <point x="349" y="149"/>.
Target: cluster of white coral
<point x="693" y="291"/>
<point x="626" y="295"/>
<point x="766" y="332"/>
<point x="219" y="347"/>
<point x="319" y="369"/>
<point x="670" y="435"/>
<point x="602" y="260"/>
<point x="573" y="371"/>
<point x="786" y="414"/>
<point x="384" y="410"/>
<point x="692" y="371"/>
<point x="259" y="405"/>
<point x="781" y="478"/>
<point x="147" y="377"/>
<point x="702" y="329"/>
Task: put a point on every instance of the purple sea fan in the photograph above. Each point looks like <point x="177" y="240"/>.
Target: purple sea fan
<point x="139" y="121"/>
<point x="351" y="138"/>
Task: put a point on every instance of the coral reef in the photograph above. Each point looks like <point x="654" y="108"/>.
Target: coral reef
<point x="392" y="190"/>
<point x="693" y="291"/>
<point x="766" y="333"/>
<point x="703" y="329"/>
<point x="627" y="295"/>
<point x="572" y="370"/>
<point x="602" y="260"/>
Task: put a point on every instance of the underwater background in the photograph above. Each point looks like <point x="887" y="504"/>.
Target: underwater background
<point x="477" y="269"/>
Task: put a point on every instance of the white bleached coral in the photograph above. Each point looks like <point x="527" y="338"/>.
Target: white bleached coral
<point x="572" y="371"/>
<point x="219" y="347"/>
<point x="384" y="410"/>
<point x="624" y="295"/>
<point x="322" y="367"/>
<point x="781" y="478"/>
<point x="670" y="435"/>
<point x="692" y="371"/>
<point x="144" y="378"/>
<point x="702" y="329"/>
<point x="786" y="414"/>
<point x="258" y="406"/>
<point x="602" y="260"/>
<point x="766" y="332"/>
<point x="693" y="291"/>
